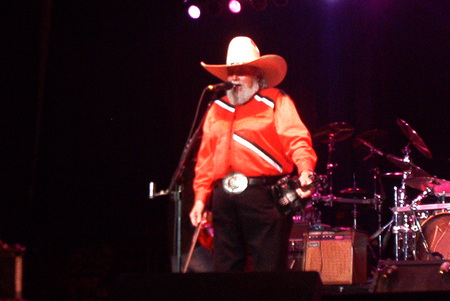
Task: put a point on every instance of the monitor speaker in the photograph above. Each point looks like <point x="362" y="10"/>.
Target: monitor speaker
<point x="412" y="276"/>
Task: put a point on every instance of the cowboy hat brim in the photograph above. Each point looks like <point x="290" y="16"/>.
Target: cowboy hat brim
<point x="273" y="66"/>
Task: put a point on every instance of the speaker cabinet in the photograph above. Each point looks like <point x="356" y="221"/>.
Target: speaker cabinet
<point x="411" y="276"/>
<point x="340" y="257"/>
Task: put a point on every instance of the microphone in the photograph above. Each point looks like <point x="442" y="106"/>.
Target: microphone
<point x="221" y="86"/>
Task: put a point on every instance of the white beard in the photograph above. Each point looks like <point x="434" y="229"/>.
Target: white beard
<point x="241" y="97"/>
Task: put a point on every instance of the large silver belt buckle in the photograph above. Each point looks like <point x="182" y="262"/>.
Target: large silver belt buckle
<point x="235" y="183"/>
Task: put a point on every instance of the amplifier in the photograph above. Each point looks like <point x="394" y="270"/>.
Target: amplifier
<point x="340" y="257"/>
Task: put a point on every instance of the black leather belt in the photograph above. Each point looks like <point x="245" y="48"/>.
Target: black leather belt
<point x="255" y="181"/>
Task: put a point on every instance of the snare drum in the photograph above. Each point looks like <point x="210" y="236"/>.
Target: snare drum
<point x="436" y="230"/>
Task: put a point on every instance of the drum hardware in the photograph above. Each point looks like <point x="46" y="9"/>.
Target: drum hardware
<point x="400" y="231"/>
<point x="330" y="134"/>
<point x="407" y="225"/>
<point x="423" y="207"/>
<point x="369" y="139"/>
<point x="378" y="194"/>
<point x="381" y="230"/>
<point x="406" y="166"/>
<point x="404" y="232"/>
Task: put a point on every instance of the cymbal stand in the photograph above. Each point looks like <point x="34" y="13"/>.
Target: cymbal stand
<point x="330" y="166"/>
<point x="401" y="230"/>
<point x="354" y="211"/>
<point x="378" y="202"/>
<point x="377" y="198"/>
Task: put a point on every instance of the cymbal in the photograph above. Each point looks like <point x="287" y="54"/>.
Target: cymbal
<point x="354" y="191"/>
<point x="422" y="183"/>
<point x="334" y="132"/>
<point x="372" y="137"/>
<point x="414" y="138"/>
<point x="415" y="170"/>
<point x="360" y="142"/>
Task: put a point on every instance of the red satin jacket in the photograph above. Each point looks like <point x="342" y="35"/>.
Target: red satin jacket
<point x="263" y="137"/>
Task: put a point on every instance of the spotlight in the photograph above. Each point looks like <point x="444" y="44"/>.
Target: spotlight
<point x="194" y="11"/>
<point x="234" y="6"/>
<point x="259" y="4"/>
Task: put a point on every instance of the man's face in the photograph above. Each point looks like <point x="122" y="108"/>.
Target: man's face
<point x="246" y="84"/>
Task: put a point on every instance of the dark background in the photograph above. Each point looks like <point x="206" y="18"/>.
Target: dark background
<point x="97" y="99"/>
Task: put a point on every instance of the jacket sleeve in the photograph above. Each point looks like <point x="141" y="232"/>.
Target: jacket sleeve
<point x="293" y="134"/>
<point x="203" y="179"/>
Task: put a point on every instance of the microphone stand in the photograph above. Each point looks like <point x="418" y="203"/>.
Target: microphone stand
<point x="175" y="188"/>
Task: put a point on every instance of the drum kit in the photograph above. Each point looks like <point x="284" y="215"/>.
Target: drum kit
<point x="420" y="230"/>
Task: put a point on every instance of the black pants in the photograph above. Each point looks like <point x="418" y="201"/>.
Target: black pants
<point x="249" y="222"/>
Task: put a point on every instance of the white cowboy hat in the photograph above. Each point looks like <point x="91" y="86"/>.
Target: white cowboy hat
<point x="242" y="51"/>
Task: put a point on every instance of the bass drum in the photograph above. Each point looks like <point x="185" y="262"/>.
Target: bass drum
<point x="436" y="230"/>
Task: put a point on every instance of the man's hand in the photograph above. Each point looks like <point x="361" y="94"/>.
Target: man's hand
<point x="197" y="212"/>
<point x="306" y="178"/>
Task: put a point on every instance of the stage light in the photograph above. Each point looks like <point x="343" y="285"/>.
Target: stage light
<point x="259" y="4"/>
<point x="234" y="6"/>
<point x="194" y="11"/>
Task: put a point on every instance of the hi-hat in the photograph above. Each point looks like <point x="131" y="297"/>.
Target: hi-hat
<point x="334" y="132"/>
<point x="414" y="138"/>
